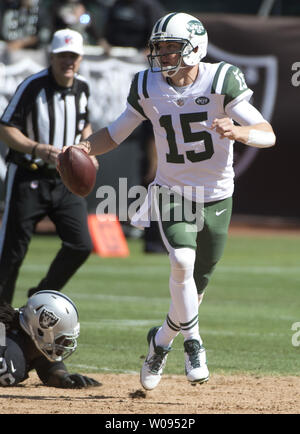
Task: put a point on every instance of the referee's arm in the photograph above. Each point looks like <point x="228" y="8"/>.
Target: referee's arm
<point x="17" y="141"/>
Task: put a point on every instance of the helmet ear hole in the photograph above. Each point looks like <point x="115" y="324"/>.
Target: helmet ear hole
<point x="40" y="332"/>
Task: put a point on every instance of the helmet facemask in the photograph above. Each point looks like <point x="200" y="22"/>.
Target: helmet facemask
<point x="154" y="58"/>
<point x="55" y="347"/>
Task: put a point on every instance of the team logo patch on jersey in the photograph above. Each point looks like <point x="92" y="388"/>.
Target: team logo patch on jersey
<point x="202" y="100"/>
<point x="48" y="319"/>
<point x="196" y="27"/>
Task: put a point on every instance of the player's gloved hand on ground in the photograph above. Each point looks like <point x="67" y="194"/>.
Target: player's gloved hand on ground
<point x="78" y="381"/>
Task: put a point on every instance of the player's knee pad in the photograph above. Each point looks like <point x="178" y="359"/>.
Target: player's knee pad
<point x="182" y="264"/>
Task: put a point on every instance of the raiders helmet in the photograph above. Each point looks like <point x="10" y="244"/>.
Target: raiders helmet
<point x="50" y="318"/>
<point x="182" y="28"/>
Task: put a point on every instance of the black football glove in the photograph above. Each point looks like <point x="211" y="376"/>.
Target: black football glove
<point x="77" y="381"/>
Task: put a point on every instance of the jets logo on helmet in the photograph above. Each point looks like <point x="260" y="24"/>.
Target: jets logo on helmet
<point x="195" y="26"/>
<point x="48" y="319"/>
<point x="183" y="29"/>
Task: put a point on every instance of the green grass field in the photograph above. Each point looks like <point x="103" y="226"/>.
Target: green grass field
<point x="245" y="318"/>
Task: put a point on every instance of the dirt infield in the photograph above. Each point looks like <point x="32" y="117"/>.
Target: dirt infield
<point x="122" y="394"/>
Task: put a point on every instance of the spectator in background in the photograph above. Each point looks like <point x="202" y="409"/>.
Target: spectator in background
<point x="98" y="10"/>
<point x="129" y="23"/>
<point x="23" y="24"/>
<point x="75" y="15"/>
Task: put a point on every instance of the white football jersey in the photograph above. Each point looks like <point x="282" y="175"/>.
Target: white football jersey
<point x="189" y="153"/>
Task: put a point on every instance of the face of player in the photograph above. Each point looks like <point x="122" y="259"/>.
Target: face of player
<point x="64" y="67"/>
<point x="169" y="53"/>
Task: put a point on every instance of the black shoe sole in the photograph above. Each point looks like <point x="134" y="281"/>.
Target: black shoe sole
<point x="202" y="381"/>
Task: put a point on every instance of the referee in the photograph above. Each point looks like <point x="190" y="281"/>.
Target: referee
<point x="49" y="110"/>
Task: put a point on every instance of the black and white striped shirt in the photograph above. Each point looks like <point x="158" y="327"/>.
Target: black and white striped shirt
<point x="48" y="113"/>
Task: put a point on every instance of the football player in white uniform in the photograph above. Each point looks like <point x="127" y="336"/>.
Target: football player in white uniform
<point x="191" y="105"/>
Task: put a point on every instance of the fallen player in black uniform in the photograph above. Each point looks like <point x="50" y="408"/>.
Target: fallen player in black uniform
<point x="40" y="335"/>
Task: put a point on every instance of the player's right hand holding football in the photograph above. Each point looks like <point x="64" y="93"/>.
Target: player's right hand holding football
<point x="85" y="146"/>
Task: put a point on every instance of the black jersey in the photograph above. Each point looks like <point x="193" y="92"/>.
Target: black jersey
<point x="19" y="356"/>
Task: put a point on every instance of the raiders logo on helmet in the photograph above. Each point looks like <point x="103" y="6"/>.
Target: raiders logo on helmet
<point x="48" y="319"/>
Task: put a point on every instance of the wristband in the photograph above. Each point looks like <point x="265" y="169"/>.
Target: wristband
<point x="261" y="139"/>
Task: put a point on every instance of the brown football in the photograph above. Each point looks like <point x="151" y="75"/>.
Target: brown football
<point x="77" y="171"/>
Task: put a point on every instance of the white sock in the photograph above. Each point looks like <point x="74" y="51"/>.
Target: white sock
<point x="184" y="292"/>
<point x="185" y="299"/>
<point x="169" y="330"/>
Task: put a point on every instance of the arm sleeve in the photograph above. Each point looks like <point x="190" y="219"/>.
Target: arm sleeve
<point x="244" y="113"/>
<point x="123" y="126"/>
<point x="46" y="369"/>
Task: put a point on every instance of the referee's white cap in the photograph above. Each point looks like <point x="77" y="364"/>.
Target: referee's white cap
<point x="67" y="40"/>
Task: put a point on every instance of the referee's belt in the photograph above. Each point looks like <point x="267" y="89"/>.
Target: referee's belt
<point x="44" y="170"/>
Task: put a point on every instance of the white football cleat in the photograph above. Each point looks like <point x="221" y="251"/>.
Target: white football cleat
<point x="195" y="362"/>
<point x="155" y="362"/>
